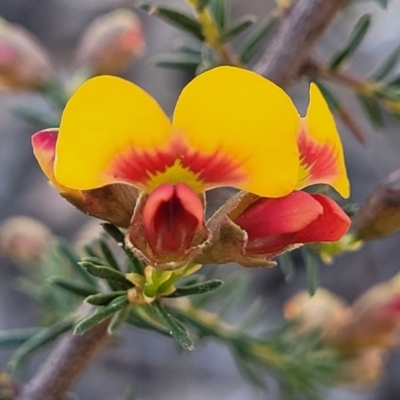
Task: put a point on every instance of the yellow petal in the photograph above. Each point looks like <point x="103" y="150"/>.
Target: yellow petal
<point x="105" y="119"/>
<point x="321" y="151"/>
<point x="246" y="119"/>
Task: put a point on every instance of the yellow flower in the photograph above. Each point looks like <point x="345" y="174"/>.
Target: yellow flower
<point x="230" y="127"/>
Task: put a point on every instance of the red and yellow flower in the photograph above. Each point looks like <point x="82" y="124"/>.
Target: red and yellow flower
<point x="230" y="127"/>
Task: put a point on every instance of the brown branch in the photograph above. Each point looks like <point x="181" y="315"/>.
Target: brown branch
<point x="65" y="363"/>
<point x="299" y="31"/>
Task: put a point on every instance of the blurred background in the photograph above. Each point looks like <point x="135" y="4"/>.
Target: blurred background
<point x="152" y="366"/>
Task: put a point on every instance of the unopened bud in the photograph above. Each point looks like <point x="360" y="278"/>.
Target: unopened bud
<point x="362" y="370"/>
<point x="24" y="63"/>
<point x="24" y="240"/>
<point x="110" y="43"/>
<point x="373" y="321"/>
<point x="380" y="215"/>
<point x="323" y="311"/>
<point x="8" y="389"/>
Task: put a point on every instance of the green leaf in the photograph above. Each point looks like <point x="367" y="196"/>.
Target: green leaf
<point x="387" y="66"/>
<point x="107" y="273"/>
<point x="114" y="232"/>
<point x="240" y="26"/>
<point x="187" y="45"/>
<point x="250" y="372"/>
<point x="208" y="60"/>
<point x="232" y="293"/>
<point x="15" y="337"/>
<point x="102" y="299"/>
<point x="174" y="327"/>
<point x="383" y="3"/>
<point x="392" y="93"/>
<point x="287" y="266"/>
<point x="372" y="109"/>
<point x="177" y="61"/>
<point x="395" y="82"/>
<point x="198" y="288"/>
<point x="219" y="11"/>
<point x="176" y="18"/>
<point x="330" y="97"/>
<point x="74" y="259"/>
<point x="311" y="264"/>
<point x="74" y="287"/>
<point x="100" y="315"/>
<point x="143" y="317"/>
<point x="109" y="256"/>
<point x="90" y="251"/>
<point x="135" y="264"/>
<point x="118" y="319"/>
<point x="356" y="37"/>
<point x="91" y="259"/>
<point x="253" y="315"/>
<point x="351" y="209"/>
<point x="256" y="38"/>
<point x="42" y="338"/>
<point x="54" y="90"/>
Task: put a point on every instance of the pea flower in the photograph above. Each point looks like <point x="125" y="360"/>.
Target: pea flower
<point x="251" y="230"/>
<point x="230" y="127"/>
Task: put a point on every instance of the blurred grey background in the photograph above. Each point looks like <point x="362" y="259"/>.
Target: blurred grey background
<point x="151" y="365"/>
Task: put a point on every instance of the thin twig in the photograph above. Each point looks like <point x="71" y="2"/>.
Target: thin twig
<point x="315" y="70"/>
<point x="299" y="31"/>
<point x="66" y="362"/>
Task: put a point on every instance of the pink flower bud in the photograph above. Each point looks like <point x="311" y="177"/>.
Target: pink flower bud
<point x="24" y="240"/>
<point x="323" y="311"/>
<point x="374" y="319"/>
<point x="363" y="369"/>
<point x="110" y="43"/>
<point x="24" y="63"/>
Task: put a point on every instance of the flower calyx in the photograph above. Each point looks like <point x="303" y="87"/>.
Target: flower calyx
<point x="154" y="283"/>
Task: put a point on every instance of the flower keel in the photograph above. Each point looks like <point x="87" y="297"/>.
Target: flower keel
<point x="265" y="228"/>
<point x="168" y="226"/>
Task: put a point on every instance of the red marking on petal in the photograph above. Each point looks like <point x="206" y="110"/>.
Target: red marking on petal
<point x="138" y="167"/>
<point x="318" y="161"/>
<point x="172" y="215"/>
<point x="330" y="226"/>
<point x="45" y="140"/>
